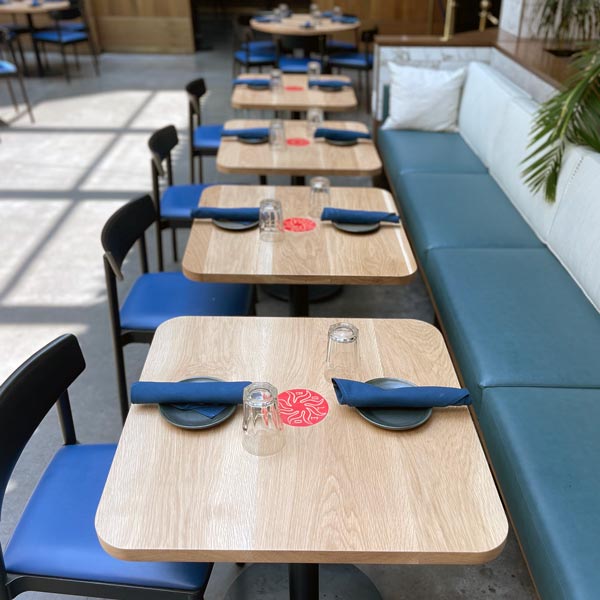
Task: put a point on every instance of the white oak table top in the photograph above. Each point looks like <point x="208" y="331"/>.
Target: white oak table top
<point x="24" y="8"/>
<point x="321" y="256"/>
<point x="292" y="26"/>
<point x="293" y="98"/>
<point x="341" y="491"/>
<point x="316" y="158"/>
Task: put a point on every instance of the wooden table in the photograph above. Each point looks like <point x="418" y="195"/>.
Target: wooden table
<point x="321" y="256"/>
<point x="341" y="491"/>
<point x="294" y="99"/>
<point x="292" y="26"/>
<point x="25" y="8"/>
<point x="316" y="158"/>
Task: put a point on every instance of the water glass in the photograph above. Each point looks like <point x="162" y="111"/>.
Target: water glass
<point x="319" y="196"/>
<point x="337" y="11"/>
<point x="276" y="82"/>
<point x="314" y="120"/>
<point x="262" y="426"/>
<point x="316" y="17"/>
<point x="313" y="69"/>
<point x="277" y="135"/>
<point x="284" y="9"/>
<point x="342" y="352"/>
<point x="277" y="14"/>
<point x="270" y="220"/>
<point x="313" y="8"/>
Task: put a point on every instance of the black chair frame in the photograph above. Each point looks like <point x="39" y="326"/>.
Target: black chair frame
<point x="246" y="65"/>
<point x="25" y="398"/>
<point x="195" y="91"/>
<point x="6" y="44"/>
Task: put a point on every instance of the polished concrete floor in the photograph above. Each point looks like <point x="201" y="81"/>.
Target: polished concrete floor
<point x="60" y="180"/>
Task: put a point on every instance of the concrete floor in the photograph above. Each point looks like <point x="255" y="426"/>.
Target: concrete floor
<point x="60" y="180"/>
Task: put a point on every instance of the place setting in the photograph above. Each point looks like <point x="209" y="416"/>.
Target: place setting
<point x="358" y="221"/>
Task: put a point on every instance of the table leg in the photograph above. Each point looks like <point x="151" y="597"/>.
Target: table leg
<point x="36" y="48"/>
<point x="299" y="301"/>
<point x="304" y="581"/>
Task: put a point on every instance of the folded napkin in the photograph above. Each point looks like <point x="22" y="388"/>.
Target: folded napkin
<point x="307" y="25"/>
<point x="365" y="395"/>
<point x="252" y="132"/>
<point x="359" y="217"/>
<point x="261" y="82"/>
<point x="226" y="214"/>
<point x="208" y="398"/>
<point x="344" y="19"/>
<point x="265" y="19"/>
<point x="327" y="14"/>
<point x="329" y="83"/>
<point x="340" y="135"/>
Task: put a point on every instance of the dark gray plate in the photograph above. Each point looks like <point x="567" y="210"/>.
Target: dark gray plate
<point x="357" y="227"/>
<point x="263" y="139"/>
<point x="341" y="142"/>
<point x="189" y="419"/>
<point x="235" y="225"/>
<point x="258" y="88"/>
<point x="396" y="419"/>
<point x="330" y="89"/>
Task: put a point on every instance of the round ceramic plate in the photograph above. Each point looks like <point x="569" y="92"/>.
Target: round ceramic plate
<point x="235" y="225"/>
<point x="190" y="419"/>
<point x="342" y="142"/>
<point x="257" y="87"/>
<point x="327" y="88"/>
<point x="262" y="139"/>
<point x="396" y="419"/>
<point x="356" y="227"/>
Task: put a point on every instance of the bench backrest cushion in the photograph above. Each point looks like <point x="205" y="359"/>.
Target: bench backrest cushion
<point x="486" y="96"/>
<point x="575" y="234"/>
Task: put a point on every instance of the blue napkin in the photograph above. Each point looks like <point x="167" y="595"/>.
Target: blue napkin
<point x="250" y="133"/>
<point x="330" y="83"/>
<point x="227" y="214"/>
<point x="359" y="217"/>
<point x="365" y="395"/>
<point x="344" y="19"/>
<point x="262" y="82"/>
<point x="265" y="19"/>
<point x="327" y="14"/>
<point x="307" y="25"/>
<point x="340" y="135"/>
<point x="208" y="398"/>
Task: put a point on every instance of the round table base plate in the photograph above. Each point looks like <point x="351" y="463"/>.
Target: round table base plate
<point x="270" y="582"/>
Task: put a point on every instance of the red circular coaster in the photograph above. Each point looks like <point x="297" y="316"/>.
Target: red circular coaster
<point x="302" y="408"/>
<point x="299" y="224"/>
<point x="293" y="88"/>
<point x="298" y="142"/>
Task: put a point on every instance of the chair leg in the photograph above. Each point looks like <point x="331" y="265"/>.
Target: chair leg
<point x="174" y="244"/>
<point x="12" y="94"/>
<point x="76" y="55"/>
<point x="25" y="97"/>
<point x="92" y="48"/>
<point x="159" y="246"/>
<point x="65" y="64"/>
<point x="22" y="55"/>
<point x="200" y="175"/>
<point x="121" y="378"/>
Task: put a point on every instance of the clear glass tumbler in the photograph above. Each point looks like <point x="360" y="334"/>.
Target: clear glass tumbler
<point x="277" y="14"/>
<point x="337" y="11"/>
<point x="262" y="426"/>
<point x="342" y="352"/>
<point x="314" y="120"/>
<point x="313" y="68"/>
<point x="270" y="220"/>
<point x="319" y="196"/>
<point x="313" y="7"/>
<point x="276" y="83"/>
<point x="277" y="135"/>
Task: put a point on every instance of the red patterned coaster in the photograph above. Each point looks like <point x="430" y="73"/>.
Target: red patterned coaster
<point x="299" y="224"/>
<point x="302" y="408"/>
<point x="294" y="88"/>
<point x="297" y="142"/>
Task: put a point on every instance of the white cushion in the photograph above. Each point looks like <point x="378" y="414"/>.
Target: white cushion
<point x="574" y="236"/>
<point x="425" y="99"/>
<point x="507" y="155"/>
<point x="482" y="113"/>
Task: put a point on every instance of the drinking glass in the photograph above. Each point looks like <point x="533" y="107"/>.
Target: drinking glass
<point x="270" y="220"/>
<point x="276" y="83"/>
<point x="277" y="135"/>
<point x="314" y="120"/>
<point x="262" y="426"/>
<point x="337" y="11"/>
<point x="284" y="9"/>
<point x="316" y="17"/>
<point x="277" y="14"/>
<point x="313" y="69"/>
<point x="313" y="7"/>
<point x="319" y="196"/>
<point x="342" y="351"/>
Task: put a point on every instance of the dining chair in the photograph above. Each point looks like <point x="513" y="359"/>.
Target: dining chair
<point x="154" y="297"/>
<point x="67" y="31"/>
<point x="54" y="547"/>
<point x="9" y="70"/>
<point x="253" y="54"/>
<point x="334" y="45"/>
<point x="361" y="61"/>
<point x="174" y="204"/>
<point x="204" y="140"/>
<point x="312" y="51"/>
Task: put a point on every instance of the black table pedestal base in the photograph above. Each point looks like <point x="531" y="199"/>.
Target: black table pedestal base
<point x="297" y="582"/>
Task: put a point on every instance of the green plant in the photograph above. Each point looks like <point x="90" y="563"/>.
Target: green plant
<point x="570" y="116"/>
<point x="569" y="20"/>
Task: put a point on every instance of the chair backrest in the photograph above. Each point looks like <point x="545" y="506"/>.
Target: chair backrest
<point x="195" y="91"/>
<point x="67" y="14"/>
<point x="289" y="43"/>
<point x="367" y="36"/>
<point x="30" y="392"/>
<point x="124" y="228"/>
<point x="161" y="143"/>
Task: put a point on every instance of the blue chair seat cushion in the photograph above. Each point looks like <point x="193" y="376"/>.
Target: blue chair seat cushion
<point x="7" y="68"/>
<point x="352" y="60"/>
<point x="340" y="46"/>
<point x="514" y="317"/>
<point x="64" y="36"/>
<point x="294" y="64"/>
<point x="544" y="447"/>
<point x="460" y="210"/>
<point x="260" y="46"/>
<point x="407" y="151"/>
<point x="56" y="536"/>
<point x="207" y="137"/>
<point x="258" y="57"/>
<point x="156" y="297"/>
<point x="179" y="200"/>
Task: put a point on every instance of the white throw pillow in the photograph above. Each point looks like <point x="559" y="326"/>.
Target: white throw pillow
<point x="425" y="99"/>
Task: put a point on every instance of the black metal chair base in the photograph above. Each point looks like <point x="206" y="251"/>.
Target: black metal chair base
<point x="316" y="293"/>
<point x="272" y="582"/>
